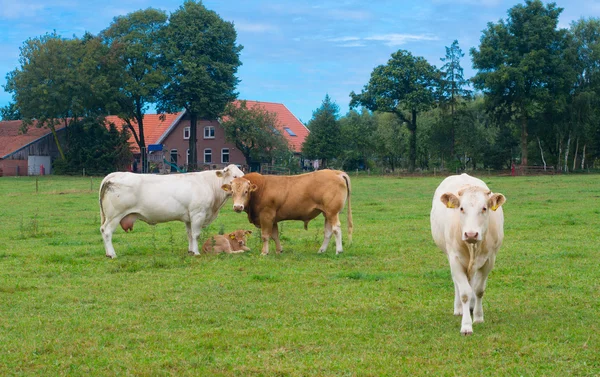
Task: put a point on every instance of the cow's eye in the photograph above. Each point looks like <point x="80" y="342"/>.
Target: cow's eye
<point x="462" y="209"/>
<point x="484" y="209"/>
<point x="246" y="192"/>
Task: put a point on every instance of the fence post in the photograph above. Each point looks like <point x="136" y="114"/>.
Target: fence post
<point x="36" y="185"/>
<point x="91" y="183"/>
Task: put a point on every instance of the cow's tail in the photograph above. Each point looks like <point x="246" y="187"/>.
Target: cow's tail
<point x="349" y="212"/>
<point x="104" y="187"/>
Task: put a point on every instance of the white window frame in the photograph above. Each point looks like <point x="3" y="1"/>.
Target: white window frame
<point x="223" y="151"/>
<point x="186" y="130"/>
<point x="207" y="130"/>
<point x="210" y="153"/>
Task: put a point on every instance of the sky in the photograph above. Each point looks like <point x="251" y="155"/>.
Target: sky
<point x="295" y="52"/>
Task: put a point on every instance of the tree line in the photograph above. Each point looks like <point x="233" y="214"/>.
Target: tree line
<point x="533" y="99"/>
<point x="536" y="101"/>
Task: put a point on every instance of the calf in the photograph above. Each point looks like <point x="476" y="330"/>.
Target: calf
<point x="232" y="243"/>
<point x="467" y="223"/>
<point x="193" y="198"/>
<point x="269" y="199"/>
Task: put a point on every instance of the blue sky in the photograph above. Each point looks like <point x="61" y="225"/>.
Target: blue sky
<point x="294" y="52"/>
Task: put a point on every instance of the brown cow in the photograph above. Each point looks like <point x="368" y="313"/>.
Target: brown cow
<point x="269" y="199"/>
<point x="234" y="242"/>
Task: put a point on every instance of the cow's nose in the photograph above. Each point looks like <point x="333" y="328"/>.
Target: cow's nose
<point x="471" y="236"/>
<point x="238" y="207"/>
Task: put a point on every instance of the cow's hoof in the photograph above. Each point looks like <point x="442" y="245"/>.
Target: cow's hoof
<point x="466" y="330"/>
<point x="339" y="252"/>
<point x="111" y="256"/>
<point x="478" y="319"/>
<point x="458" y="313"/>
<point x="320" y="251"/>
<point x="264" y="254"/>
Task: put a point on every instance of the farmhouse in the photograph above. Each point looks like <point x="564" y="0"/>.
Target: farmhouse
<point x="167" y="139"/>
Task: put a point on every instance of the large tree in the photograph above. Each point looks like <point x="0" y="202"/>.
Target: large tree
<point x="255" y="132"/>
<point x="10" y="112"/>
<point x="453" y="87"/>
<point x="134" y="49"/>
<point x="59" y="80"/>
<point x="517" y="61"/>
<point x="405" y="86"/>
<point x="200" y="56"/>
<point x="323" y="142"/>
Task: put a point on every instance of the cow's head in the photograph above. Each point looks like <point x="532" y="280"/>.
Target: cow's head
<point x="229" y="173"/>
<point x="240" y="189"/>
<point x="239" y="236"/>
<point x="474" y="204"/>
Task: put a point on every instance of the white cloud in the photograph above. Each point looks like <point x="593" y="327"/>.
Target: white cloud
<point x="254" y="27"/>
<point x="18" y="9"/>
<point x="400" y="39"/>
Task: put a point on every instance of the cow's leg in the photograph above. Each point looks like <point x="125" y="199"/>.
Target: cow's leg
<point x="478" y="282"/>
<point x="327" y="232"/>
<point x="337" y="231"/>
<point x="275" y="237"/>
<point x="266" y="227"/>
<point x="457" y="303"/>
<point x="107" y="230"/>
<point x="188" y="228"/>
<point x="464" y="290"/>
<point x="196" y="229"/>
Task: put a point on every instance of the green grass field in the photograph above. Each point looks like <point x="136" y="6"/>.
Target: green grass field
<point x="382" y="308"/>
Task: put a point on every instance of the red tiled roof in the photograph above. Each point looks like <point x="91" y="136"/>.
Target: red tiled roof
<point x="154" y="127"/>
<point x="286" y="120"/>
<point x="11" y="139"/>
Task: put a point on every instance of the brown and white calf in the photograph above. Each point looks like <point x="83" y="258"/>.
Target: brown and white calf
<point x="269" y="199"/>
<point x="467" y="223"/>
<point x="231" y="243"/>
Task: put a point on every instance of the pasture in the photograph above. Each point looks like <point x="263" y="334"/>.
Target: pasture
<point x="382" y="308"/>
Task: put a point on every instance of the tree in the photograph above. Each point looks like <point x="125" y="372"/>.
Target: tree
<point x="10" y="112"/>
<point x="358" y="132"/>
<point x="254" y="132"/>
<point x="517" y="61"/>
<point x="134" y="49"/>
<point x="59" y="80"/>
<point x="405" y="85"/>
<point x="96" y="147"/>
<point x="323" y="142"/>
<point x="452" y="87"/>
<point x="200" y="56"/>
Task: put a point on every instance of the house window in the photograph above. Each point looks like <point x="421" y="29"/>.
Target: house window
<point x="208" y="156"/>
<point x="209" y="132"/>
<point x="186" y="133"/>
<point x="289" y="131"/>
<point x="225" y="155"/>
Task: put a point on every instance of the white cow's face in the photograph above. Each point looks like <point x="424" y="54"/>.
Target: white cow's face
<point x="474" y="205"/>
<point x="230" y="173"/>
<point x="240" y="190"/>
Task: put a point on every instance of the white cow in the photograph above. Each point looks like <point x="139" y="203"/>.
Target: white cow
<point x="467" y="223"/>
<point x="194" y="198"/>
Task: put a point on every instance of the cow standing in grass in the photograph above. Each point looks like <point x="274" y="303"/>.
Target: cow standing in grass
<point x="269" y="199"/>
<point x="467" y="223"/>
<point x="193" y="198"/>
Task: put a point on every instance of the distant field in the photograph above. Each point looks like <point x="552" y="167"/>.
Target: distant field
<point x="382" y="308"/>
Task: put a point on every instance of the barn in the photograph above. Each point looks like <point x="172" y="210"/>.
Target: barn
<point x="167" y="138"/>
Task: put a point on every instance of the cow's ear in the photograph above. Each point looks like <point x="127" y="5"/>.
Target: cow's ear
<point x="219" y="173"/>
<point x="450" y="200"/>
<point x="248" y="232"/>
<point x="496" y="201"/>
<point x="253" y="187"/>
<point x="226" y="187"/>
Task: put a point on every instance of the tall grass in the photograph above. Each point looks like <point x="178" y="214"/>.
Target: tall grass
<point x="382" y="308"/>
